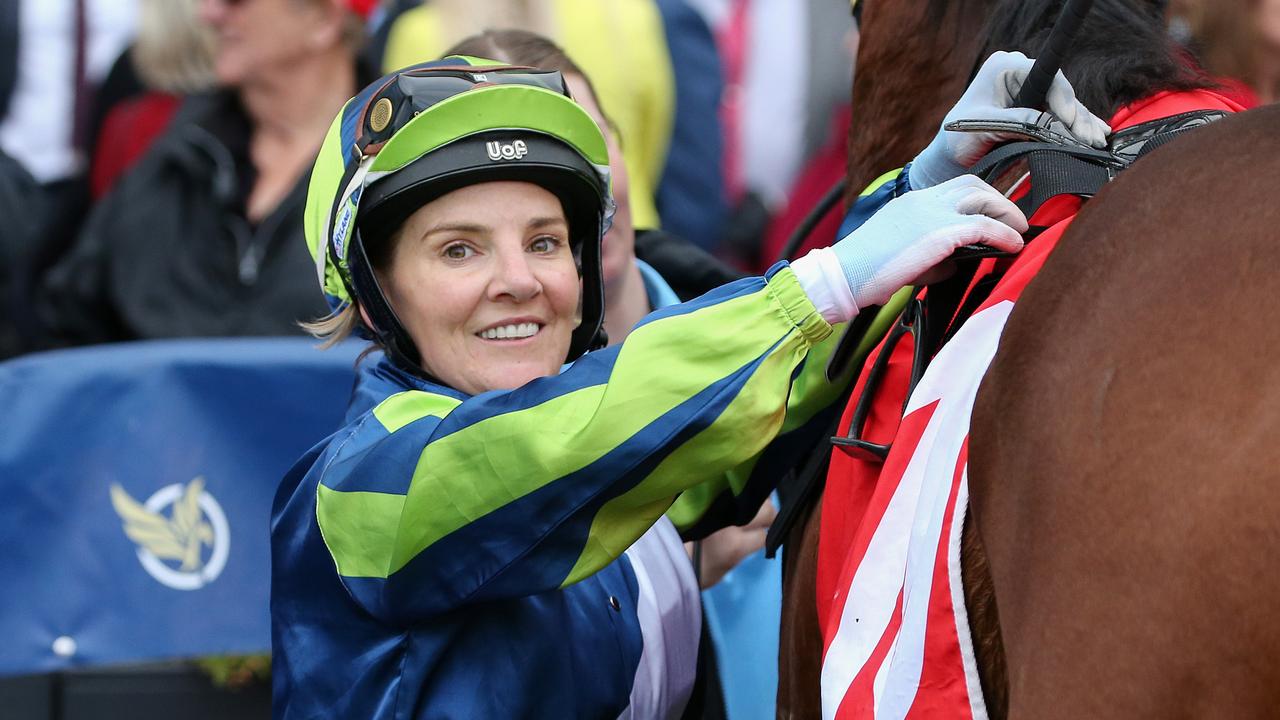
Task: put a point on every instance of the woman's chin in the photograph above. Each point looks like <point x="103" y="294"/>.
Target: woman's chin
<point x="508" y="367"/>
<point x="514" y="375"/>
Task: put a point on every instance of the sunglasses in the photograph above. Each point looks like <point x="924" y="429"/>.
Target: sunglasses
<point x="412" y="91"/>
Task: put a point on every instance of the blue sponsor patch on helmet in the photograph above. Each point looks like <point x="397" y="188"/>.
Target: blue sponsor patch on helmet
<point x="343" y="225"/>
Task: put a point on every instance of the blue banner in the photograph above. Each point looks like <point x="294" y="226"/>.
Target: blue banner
<point x="136" y="483"/>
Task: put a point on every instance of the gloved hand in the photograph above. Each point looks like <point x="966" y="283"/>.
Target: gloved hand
<point x="904" y="240"/>
<point x="990" y="97"/>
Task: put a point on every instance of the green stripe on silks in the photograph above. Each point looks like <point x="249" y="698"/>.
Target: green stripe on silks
<point x="811" y="392"/>
<point x="879" y="182"/>
<point x="410" y="406"/>
<point x="477" y="470"/>
<point x="359" y="529"/>
<point x="738" y="436"/>
<point x="359" y="526"/>
<point x="500" y="459"/>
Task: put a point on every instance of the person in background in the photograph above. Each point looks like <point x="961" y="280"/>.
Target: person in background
<point x="620" y="43"/>
<point x="1236" y="41"/>
<point x="691" y="194"/>
<point x="171" y="57"/>
<point x="56" y="52"/>
<point x="1268" y="14"/>
<point x="824" y="170"/>
<point x="53" y="57"/>
<point x="785" y="72"/>
<point x="21" y="205"/>
<point x="202" y="237"/>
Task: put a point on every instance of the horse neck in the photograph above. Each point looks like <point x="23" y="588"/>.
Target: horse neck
<point x="913" y="63"/>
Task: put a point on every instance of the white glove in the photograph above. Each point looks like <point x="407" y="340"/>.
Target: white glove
<point x="904" y="240"/>
<point x="990" y="97"/>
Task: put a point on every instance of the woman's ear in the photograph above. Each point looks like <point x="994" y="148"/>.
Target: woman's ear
<point x="330" y="18"/>
<point x="364" y="318"/>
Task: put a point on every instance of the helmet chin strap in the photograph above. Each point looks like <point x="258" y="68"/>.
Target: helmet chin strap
<point x="386" y="326"/>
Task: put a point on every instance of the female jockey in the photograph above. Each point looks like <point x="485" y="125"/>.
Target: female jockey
<point x="476" y="541"/>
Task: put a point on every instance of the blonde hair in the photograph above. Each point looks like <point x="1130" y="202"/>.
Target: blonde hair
<point x="173" y="50"/>
<point x="334" y="327"/>
<point x="340" y="325"/>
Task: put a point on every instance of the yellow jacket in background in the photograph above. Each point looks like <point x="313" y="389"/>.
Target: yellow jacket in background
<point x="619" y="43"/>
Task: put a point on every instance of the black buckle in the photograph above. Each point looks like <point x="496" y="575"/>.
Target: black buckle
<point x="911" y="321"/>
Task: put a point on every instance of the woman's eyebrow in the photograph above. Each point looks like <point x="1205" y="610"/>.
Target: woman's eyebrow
<point x="456" y="228"/>
<point x="542" y="222"/>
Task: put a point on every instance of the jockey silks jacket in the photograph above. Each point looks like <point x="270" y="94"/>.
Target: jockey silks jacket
<point x="455" y="556"/>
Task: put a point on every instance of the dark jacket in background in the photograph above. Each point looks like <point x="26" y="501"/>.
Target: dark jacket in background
<point x="170" y="253"/>
<point x="690" y="196"/>
<point x="23" y="208"/>
<point x="687" y="268"/>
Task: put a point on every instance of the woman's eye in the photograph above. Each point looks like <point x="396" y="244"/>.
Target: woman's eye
<point x="544" y="244"/>
<point x="458" y="251"/>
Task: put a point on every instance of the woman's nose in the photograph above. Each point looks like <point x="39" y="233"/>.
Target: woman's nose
<point x="514" y="277"/>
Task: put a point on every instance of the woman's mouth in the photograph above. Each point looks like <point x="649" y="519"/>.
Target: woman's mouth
<point x="512" y="331"/>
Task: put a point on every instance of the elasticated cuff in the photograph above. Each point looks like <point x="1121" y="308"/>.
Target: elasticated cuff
<point x="795" y="304"/>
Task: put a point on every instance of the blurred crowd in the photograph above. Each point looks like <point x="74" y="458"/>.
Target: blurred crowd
<point x="154" y="153"/>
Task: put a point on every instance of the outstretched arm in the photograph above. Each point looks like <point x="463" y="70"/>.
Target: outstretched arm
<point x="437" y="500"/>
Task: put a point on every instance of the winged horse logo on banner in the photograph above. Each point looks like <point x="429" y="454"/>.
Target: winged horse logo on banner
<point x="172" y="549"/>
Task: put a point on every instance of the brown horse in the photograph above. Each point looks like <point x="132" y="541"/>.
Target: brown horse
<point x="1124" y="469"/>
<point x="1075" y="599"/>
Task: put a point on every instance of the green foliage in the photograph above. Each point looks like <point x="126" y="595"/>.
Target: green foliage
<point x="236" y="671"/>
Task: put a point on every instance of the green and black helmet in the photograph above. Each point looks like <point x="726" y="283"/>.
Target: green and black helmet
<point x="432" y="128"/>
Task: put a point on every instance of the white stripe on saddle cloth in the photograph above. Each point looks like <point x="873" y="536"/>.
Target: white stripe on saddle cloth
<point x="928" y="669"/>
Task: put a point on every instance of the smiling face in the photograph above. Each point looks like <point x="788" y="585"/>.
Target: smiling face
<point x="484" y="281"/>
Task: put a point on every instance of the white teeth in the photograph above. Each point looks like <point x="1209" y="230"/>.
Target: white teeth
<point x="511" y="332"/>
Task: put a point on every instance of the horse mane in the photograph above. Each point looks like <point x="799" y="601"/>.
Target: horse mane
<point x="1122" y="54"/>
<point x="914" y="60"/>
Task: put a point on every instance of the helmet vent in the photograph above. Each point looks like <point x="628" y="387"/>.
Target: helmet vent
<point x="380" y="115"/>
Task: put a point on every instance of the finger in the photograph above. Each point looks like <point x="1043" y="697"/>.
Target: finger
<point x="959" y="183"/>
<point x="1063" y="104"/>
<point x="1006" y="72"/>
<point x="983" y="230"/>
<point x="1014" y="114"/>
<point x="936" y="274"/>
<point x="987" y="201"/>
<point x="764" y="517"/>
